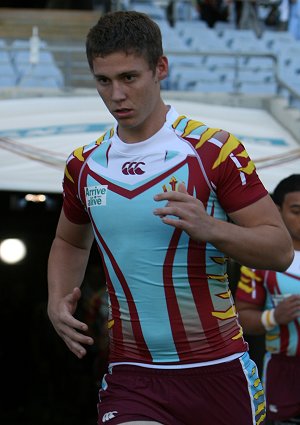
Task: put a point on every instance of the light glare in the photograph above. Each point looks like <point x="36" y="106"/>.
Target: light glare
<point x="35" y="198"/>
<point x="12" y="251"/>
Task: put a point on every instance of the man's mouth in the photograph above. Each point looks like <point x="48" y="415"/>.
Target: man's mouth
<point x="123" y="112"/>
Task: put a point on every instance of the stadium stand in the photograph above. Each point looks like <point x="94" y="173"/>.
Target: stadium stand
<point x="220" y="59"/>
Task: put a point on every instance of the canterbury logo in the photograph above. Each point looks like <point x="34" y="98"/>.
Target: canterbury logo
<point x="132" y="168"/>
<point x="109" y="415"/>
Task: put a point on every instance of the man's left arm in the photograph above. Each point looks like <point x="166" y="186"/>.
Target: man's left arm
<point x="256" y="237"/>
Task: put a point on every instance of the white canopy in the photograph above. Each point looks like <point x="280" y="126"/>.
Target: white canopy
<point x="37" y="135"/>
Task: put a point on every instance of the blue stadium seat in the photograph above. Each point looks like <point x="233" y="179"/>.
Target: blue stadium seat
<point x="218" y="86"/>
<point x="258" y="88"/>
<point x="185" y="77"/>
<point x="41" y="75"/>
<point x="7" y="80"/>
<point x="32" y="82"/>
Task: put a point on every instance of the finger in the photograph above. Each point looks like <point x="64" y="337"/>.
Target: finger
<point x="169" y="210"/>
<point x="171" y="196"/>
<point x="71" y="322"/>
<point x="76" y="336"/>
<point x="182" y="188"/>
<point x="177" y="222"/>
<point x="75" y="347"/>
<point x="74" y="296"/>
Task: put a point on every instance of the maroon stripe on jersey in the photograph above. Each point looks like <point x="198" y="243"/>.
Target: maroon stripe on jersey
<point x="130" y="194"/>
<point x="107" y="152"/>
<point x="135" y="322"/>
<point x="292" y="275"/>
<point x="298" y="337"/>
<point x="197" y="257"/>
<point x="284" y="338"/>
<point x="178" y="330"/>
<point x="200" y="288"/>
<point x="115" y="330"/>
<point x="272" y="278"/>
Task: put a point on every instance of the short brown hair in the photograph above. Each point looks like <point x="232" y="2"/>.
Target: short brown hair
<point x="129" y="32"/>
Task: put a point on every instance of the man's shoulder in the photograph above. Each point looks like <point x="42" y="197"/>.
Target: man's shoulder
<point x="79" y="156"/>
<point x="81" y="153"/>
<point x="201" y="133"/>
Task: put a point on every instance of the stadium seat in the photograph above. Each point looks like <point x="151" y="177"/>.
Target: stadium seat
<point x="185" y="77"/>
<point x="194" y="26"/>
<point x="289" y="64"/>
<point x="7" y="80"/>
<point x="238" y="36"/>
<point x="258" y="88"/>
<point x="218" y="86"/>
<point x="33" y="82"/>
<point x="254" y="76"/>
<point x="150" y="8"/>
<point x="185" y="60"/>
<point x="173" y="42"/>
<point x="4" y="56"/>
<point x="201" y="37"/>
<point x="220" y="61"/>
<point x="41" y="75"/>
<point x="272" y="38"/>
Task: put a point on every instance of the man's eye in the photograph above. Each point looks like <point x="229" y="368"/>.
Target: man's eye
<point x="129" y="78"/>
<point x="102" y="80"/>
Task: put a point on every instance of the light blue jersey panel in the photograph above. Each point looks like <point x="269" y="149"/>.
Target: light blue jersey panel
<point x="272" y="336"/>
<point x="140" y="257"/>
<point x="287" y="284"/>
<point x="255" y="388"/>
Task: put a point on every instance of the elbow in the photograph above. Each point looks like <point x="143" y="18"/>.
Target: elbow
<point x="285" y="257"/>
<point x="286" y="260"/>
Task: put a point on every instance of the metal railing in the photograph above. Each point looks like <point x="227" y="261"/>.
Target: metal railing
<point x="71" y="60"/>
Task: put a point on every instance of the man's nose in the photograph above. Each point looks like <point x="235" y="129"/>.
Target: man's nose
<point x="118" y="92"/>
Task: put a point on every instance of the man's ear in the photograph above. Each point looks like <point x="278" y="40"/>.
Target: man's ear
<point x="162" y="68"/>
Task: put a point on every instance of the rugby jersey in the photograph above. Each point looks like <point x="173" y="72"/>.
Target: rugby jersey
<point x="169" y="298"/>
<point x="266" y="289"/>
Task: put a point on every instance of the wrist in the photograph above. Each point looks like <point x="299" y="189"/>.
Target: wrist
<point x="268" y="319"/>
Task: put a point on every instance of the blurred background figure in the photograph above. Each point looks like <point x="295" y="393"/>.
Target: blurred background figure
<point x="269" y="302"/>
<point x="212" y="11"/>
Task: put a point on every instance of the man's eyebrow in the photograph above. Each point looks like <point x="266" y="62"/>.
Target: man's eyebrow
<point x="120" y="75"/>
<point x="98" y="75"/>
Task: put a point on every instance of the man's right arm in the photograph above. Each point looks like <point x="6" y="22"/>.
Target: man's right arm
<point x="67" y="263"/>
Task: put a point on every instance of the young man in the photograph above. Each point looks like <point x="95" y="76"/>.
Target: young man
<point x="269" y="302"/>
<point x="155" y="192"/>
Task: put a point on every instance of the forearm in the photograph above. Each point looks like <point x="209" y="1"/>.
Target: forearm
<point x="66" y="268"/>
<point x="261" y="247"/>
<point x="256" y="237"/>
<point x="251" y="323"/>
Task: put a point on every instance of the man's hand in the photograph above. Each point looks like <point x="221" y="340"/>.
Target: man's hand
<point x="287" y="310"/>
<point x="190" y="213"/>
<point x="68" y="328"/>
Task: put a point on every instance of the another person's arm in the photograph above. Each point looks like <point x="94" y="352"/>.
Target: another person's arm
<point x="250" y="315"/>
<point x="66" y="268"/>
<point x="257" y="237"/>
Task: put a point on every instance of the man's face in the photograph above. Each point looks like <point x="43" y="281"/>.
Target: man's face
<point x="290" y="211"/>
<point x="131" y="92"/>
